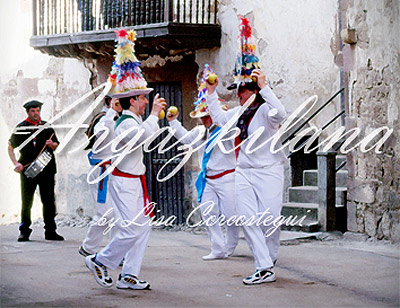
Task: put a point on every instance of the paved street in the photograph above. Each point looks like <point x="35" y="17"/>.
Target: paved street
<point x="311" y="273"/>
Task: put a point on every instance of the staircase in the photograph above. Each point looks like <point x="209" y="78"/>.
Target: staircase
<point x="303" y="200"/>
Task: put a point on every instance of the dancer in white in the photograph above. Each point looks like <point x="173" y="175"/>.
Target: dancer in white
<point x="99" y="158"/>
<point x="259" y="175"/>
<point x="128" y="192"/>
<point x="216" y="182"/>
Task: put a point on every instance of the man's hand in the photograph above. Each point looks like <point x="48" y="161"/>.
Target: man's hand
<point x="158" y="105"/>
<point x="259" y="74"/>
<point x="211" y="87"/>
<point x="171" y="117"/>
<point x="52" y="145"/>
<point x="18" y="167"/>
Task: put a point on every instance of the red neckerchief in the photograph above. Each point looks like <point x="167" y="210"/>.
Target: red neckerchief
<point x="36" y="123"/>
<point x="32" y="122"/>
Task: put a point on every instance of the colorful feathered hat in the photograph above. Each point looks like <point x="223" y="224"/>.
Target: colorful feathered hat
<point x="126" y="76"/>
<point x="246" y="60"/>
<point x="201" y="107"/>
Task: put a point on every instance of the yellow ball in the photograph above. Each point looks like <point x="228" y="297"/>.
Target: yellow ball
<point x="161" y="115"/>
<point x="173" y="110"/>
<point x="212" y="78"/>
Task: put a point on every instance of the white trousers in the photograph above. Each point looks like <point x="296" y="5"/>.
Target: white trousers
<point x="95" y="233"/>
<point x="221" y="193"/>
<point x="133" y="228"/>
<point x="257" y="191"/>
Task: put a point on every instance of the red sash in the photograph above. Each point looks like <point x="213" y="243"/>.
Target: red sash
<point x="148" y="208"/>
<point x="219" y="175"/>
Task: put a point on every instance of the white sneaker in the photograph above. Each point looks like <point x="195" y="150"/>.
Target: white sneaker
<point x="83" y="252"/>
<point x="260" y="277"/>
<point x="100" y="272"/>
<point x="228" y="254"/>
<point x="212" y="256"/>
<point x="131" y="282"/>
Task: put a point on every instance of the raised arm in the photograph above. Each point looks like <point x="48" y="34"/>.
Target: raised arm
<point x="218" y="115"/>
<point x="106" y="121"/>
<point x="182" y="134"/>
<point x="276" y="112"/>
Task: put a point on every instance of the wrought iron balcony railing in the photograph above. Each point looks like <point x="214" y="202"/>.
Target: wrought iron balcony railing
<point x="53" y="17"/>
<point x="60" y="26"/>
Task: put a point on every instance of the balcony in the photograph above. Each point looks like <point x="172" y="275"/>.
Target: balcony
<point x="84" y="28"/>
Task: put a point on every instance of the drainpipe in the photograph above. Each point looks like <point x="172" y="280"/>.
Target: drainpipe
<point x="344" y="74"/>
<point x="342" y="81"/>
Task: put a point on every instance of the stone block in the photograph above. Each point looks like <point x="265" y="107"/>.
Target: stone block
<point x="351" y="216"/>
<point x="351" y="164"/>
<point x="354" y="236"/>
<point x="395" y="227"/>
<point x="362" y="192"/>
<point x="361" y="168"/>
<point x="385" y="225"/>
<point x="379" y="194"/>
<point x="370" y="223"/>
<point x="392" y="199"/>
<point x="395" y="232"/>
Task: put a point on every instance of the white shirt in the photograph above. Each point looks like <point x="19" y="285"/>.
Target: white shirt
<point x="219" y="161"/>
<point x="262" y="118"/>
<point x="132" y="163"/>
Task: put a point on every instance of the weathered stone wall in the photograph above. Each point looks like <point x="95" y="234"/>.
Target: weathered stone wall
<point x="27" y="74"/>
<point x="374" y="179"/>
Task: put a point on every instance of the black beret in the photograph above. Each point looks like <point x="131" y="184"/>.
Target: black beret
<point x="32" y="104"/>
<point x="244" y="85"/>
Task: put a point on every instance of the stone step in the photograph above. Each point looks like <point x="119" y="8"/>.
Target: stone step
<point x="310" y="210"/>
<point x="295" y="212"/>
<point x="310" y="178"/>
<point x="309" y="226"/>
<point x="309" y="194"/>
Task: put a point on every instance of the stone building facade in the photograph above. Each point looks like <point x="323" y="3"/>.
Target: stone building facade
<point x="299" y="46"/>
<point x="373" y="67"/>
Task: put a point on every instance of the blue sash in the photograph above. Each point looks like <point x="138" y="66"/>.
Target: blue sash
<point x="102" y="188"/>
<point x="201" y="178"/>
